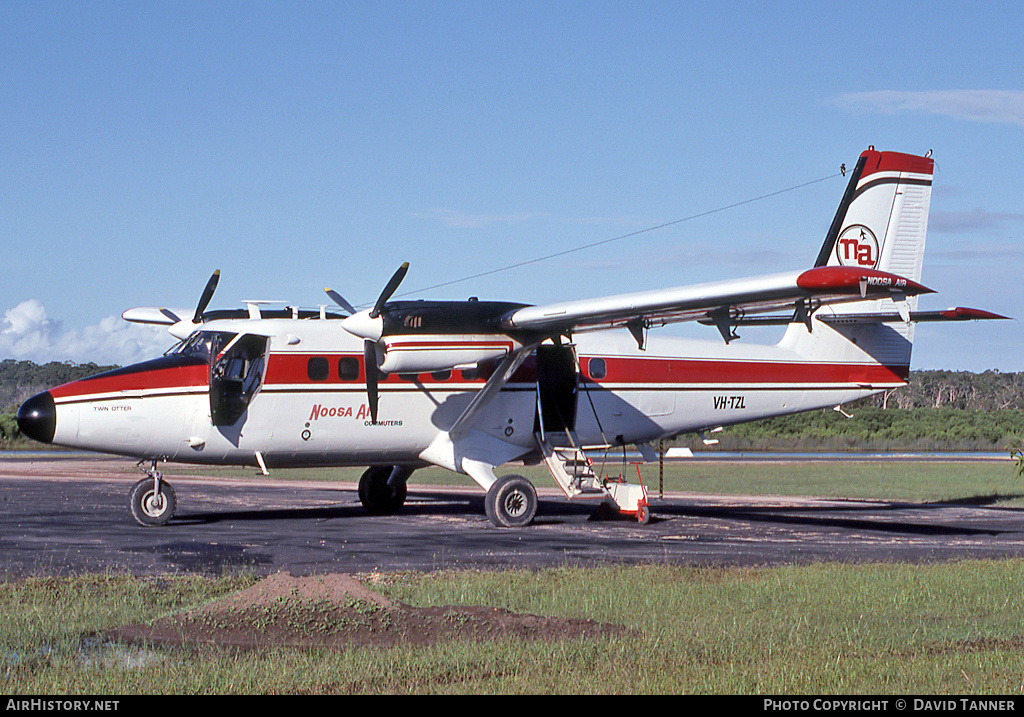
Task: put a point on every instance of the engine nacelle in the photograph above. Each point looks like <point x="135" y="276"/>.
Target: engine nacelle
<point x="428" y="353"/>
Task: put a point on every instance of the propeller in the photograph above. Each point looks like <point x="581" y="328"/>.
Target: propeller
<point x="369" y="326"/>
<point x="396" y="279"/>
<point x="372" y="373"/>
<point x="204" y="300"/>
<point x="340" y="301"/>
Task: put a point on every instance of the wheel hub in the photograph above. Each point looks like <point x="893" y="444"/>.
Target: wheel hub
<point x="515" y="503"/>
<point x="153" y="504"/>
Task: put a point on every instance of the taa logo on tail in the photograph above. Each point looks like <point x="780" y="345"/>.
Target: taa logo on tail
<point x="857" y="246"/>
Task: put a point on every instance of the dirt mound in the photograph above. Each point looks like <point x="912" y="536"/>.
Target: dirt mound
<point x="338" y="611"/>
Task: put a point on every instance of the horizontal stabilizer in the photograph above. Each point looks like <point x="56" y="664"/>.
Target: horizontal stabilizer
<point x="958" y="313"/>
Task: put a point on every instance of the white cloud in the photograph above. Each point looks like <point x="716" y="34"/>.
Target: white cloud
<point x="995" y="106"/>
<point x="950" y="222"/>
<point x="27" y="333"/>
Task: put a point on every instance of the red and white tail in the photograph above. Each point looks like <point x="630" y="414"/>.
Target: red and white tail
<point x="883" y="218"/>
<point x="881" y="224"/>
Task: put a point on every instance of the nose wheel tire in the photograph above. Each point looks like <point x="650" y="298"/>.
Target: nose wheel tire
<point x="511" y="502"/>
<point x="151" y="507"/>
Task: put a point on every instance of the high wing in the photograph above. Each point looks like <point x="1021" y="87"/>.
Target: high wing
<point x="872" y="254"/>
<point x="724" y="303"/>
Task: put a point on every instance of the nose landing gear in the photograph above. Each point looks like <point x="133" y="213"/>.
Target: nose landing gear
<point x="151" y="500"/>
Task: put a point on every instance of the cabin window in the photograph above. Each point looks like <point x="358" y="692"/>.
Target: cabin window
<point x="318" y="368"/>
<point x="597" y="368"/>
<point x="441" y="375"/>
<point x="348" y="368"/>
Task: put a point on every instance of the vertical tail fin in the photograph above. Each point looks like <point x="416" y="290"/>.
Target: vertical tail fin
<point x="883" y="218"/>
<point x="881" y="224"/>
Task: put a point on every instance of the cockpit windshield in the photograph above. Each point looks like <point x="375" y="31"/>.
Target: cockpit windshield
<point x="198" y="344"/>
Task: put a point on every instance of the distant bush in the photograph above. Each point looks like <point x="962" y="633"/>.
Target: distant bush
<point x="874" y="428"/>
<point x="21" y="379"/>
<point x="8" y="428"/>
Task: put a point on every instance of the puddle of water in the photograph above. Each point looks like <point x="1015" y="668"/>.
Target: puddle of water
<point x="94" y="652"/>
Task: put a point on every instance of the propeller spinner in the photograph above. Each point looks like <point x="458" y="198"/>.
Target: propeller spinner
<point x="182" y="327"/>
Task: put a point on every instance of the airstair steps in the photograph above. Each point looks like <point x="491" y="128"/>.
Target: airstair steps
<point x="574" y="473"/>
<point x="572" y="470"/>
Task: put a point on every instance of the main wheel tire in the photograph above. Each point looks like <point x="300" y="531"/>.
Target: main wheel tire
<point x="511" y="502"/>
<point x="150" y="508"/>
<point x="377" y="495"/>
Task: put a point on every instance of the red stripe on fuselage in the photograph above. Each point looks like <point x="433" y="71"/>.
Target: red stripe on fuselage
<point x="163" y="373"/>
<point x="696" y="371"/>
<point x="291" y="369"/>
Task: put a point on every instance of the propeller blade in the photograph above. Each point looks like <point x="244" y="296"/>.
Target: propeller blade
<point x="370" y="367"/>
<point x="204" y="300"/>
<point x="340" y="300"/>
<point x="396" y="279"/>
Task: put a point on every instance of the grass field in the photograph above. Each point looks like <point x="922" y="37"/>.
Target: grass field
<point x="821" y="629"/>
<point x="953" y="628"/>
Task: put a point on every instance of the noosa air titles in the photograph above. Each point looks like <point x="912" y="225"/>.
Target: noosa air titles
<point x="321" y="412"/>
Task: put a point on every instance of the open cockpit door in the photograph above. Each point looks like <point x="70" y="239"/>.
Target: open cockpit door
<point x="237" y="365"/>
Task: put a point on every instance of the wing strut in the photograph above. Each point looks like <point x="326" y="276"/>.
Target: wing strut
<point x="499" y="378"/>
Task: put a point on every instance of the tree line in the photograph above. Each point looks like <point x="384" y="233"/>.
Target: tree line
<point x="20" y="380"/>
<point x="961" y="390"/>
<point x="866" y="427"/>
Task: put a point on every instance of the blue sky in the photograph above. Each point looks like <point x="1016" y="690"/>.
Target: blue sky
<point x="295" y="146"/>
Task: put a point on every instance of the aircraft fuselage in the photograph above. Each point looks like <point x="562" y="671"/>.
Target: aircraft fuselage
<point x="295" y="395"/>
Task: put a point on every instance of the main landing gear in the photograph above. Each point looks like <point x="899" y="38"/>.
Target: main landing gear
<point x="511" y="502"/>
<point x="382" y="489"/>
<point x="151" y="500"/>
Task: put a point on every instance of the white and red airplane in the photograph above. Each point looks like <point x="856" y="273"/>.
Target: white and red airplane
<point x="472" y="385"/>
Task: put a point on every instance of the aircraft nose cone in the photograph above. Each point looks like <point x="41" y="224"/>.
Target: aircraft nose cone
<point x="37" y="417"/>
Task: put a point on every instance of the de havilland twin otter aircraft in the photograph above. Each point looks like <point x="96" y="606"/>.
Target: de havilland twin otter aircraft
<point x="472" y="385"/>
